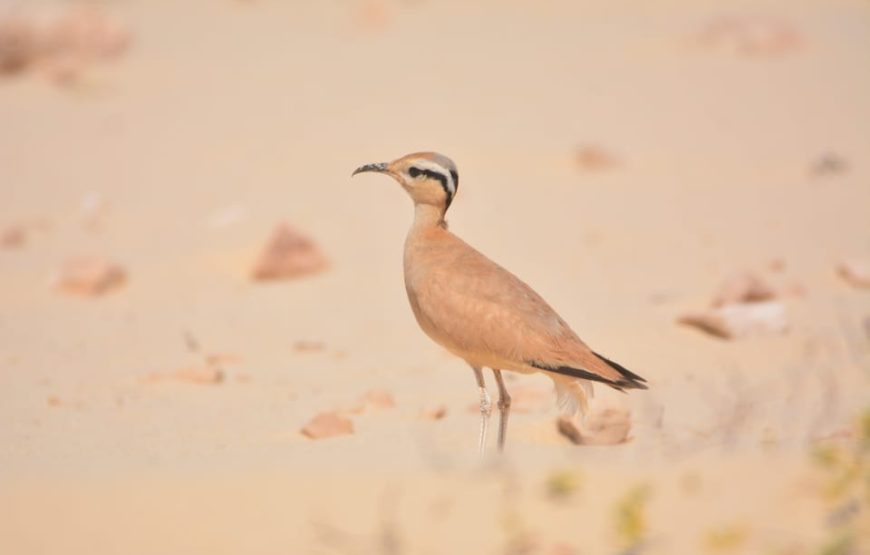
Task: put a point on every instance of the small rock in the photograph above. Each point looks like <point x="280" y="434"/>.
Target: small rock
<point x="436" y="413"/>
<point x="856" y="272"/>
<point x="288" y="254"/>
<point x="90" y="276"/>
<point x="202" y="375"/>
<point x="18" y="44"/>
<point x="308" y="346"/>
<point x="745" y="287"/>
<point x="327" y="424"/>
<point x="740" y="320"/>
<point x="777" y="265"/>
<point x="568" y="428"/>
<point x="13" y="236"/>
<point x="196" y="374"/>
<point x="372" y="16"/>
<point x="606" y="427"/>
<point x="750" y="35"/>
<point x="829" y="163"/>
<point x="609" y="426"/>
<point x="87" y="33"/>
<point x="594" y="158"/>
<point x="222" y="359"/>
<point x="373" y="401"/>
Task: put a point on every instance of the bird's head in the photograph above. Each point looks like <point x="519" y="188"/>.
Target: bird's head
<point x="429" y="178"/>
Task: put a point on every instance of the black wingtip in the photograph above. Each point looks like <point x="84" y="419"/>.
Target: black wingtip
<point x="631" y="381"/>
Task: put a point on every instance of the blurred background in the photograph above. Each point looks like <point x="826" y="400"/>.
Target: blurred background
<point x="205" y="344"/>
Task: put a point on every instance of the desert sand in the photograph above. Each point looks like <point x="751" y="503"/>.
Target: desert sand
<point x="623" y="158"/>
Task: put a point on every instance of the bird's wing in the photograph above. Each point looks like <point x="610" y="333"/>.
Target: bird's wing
<point x="479" y="307"/>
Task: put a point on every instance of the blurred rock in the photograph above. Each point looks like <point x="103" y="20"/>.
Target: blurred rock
<point x="88" y="33"/>
<point x="373" y="401"/>
<point x="288" y="254"/>
<point x="745" y="287"/>
<point x="594" y="158"/>
<point x="90" y="276"/>
<point x="222" y="359"/>
<point x="829" y="163"/>
<point x="196" y="374"/>
<point x="436" y="413"/>
<point x="750" y="35"/>
<point x="18" y="43"/>
<point x="740" y="320"/>
<point x="372" y="16"/>
<point x="60" y="41"/>
<point x="855" y="271"/>
<point x="609" y="426"/>
<point x="327" y="424"/>
<point x="777" y="265"/>
<point x="308" y="346"/>
<point x="202" y="375"/>
<point x="12" y="237"/>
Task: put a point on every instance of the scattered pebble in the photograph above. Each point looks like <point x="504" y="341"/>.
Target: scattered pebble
<point x="288" y="254"/>
<point x="740" y="320"/>
<point x="568" y="428"/>
<point x="90" y="276"/>
<point x="222" y="359"/>
<point x="436" y="413"/>
<point x="327" y="424"/>
<point x="308" y="346"/>
<point x="750" y="35"/>
<point x="17" y="44"/>
<point x="60" y="42"/>
<point x="745" y="287"/>
<point x="594" y="158"/>
<point x="609" y="426"/>
<point x="373" y="401"/>
<point x="856" y="272"/>
<point x="829" y="163"/>
<point x="196" y="374"/>
<point x="372" y="16"/>
<point x="12" y="237"/>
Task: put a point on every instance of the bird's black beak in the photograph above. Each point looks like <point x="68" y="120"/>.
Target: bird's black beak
<point x="380" y="167"/>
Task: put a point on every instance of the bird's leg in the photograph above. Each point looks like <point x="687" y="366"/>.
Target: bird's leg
<point x="485" y="408"/>
<point x="504" y="408"/>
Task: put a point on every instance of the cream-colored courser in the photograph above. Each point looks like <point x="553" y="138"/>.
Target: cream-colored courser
<point x="481" y="312"/>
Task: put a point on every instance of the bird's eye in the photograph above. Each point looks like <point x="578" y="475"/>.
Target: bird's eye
<point x="414" y="172"/>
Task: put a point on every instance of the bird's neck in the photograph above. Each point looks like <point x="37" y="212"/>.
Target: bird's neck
<point x="427" y="216"/>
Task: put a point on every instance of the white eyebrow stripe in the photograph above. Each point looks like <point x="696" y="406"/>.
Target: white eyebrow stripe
<point x="438" y="168"/>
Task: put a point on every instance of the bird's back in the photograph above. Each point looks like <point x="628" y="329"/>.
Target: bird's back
<point x="480" y="311"/>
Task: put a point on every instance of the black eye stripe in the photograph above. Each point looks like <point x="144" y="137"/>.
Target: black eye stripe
<point x="415" y="172"/>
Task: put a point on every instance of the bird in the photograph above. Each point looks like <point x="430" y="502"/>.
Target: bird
<point x="481" y="312"/>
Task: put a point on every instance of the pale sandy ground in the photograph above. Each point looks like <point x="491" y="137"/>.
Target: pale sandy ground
<point x="227" y="117"/>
